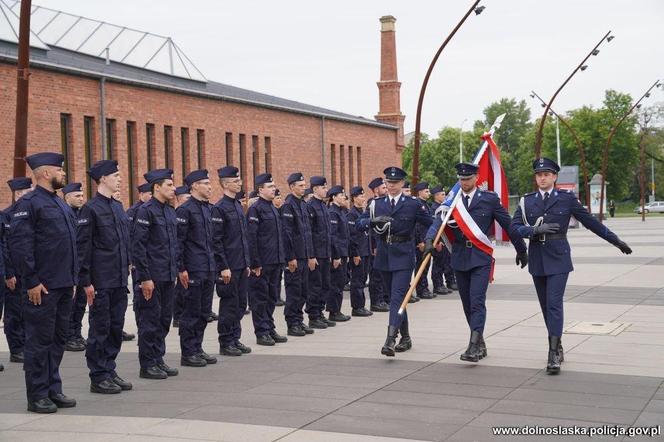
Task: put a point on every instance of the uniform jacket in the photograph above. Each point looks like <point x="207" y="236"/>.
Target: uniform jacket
<point x="298" y="241"/>
<point x="155" y="242"/>
<point x="339" y="235"/>
<point x="231" y="242"/>
<point x="358" y="239"/>
<point x="265" y="236"/>
<point x="195" y="239"/>
<point x="320" y="228"/>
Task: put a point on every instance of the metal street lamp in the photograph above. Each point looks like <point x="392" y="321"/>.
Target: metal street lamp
<point x="22" y="87"/>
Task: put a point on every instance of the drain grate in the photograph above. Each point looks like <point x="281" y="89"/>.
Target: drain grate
<point x="597" y="328"/>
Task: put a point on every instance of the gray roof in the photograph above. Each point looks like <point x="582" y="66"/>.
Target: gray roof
<point x="86" y="65"/>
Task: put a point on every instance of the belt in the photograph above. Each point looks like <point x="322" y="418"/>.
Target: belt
<point x="392" y="239"/>
<point x="548" y="236"/>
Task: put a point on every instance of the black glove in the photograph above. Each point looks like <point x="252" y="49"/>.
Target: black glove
<point x="546" y="228"/>
<point x="622" y="245"/>
<point x="380" y="221"/>
<point x="428" y="247"/>
<point x="522" y="258"/>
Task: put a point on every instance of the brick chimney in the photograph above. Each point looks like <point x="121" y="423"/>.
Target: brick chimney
<point x="389" y="86"/>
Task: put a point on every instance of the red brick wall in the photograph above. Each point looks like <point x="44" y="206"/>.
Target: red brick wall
<point x="295" y="139"/>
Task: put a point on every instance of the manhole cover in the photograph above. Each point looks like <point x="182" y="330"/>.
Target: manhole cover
<point x="597" y="328"/>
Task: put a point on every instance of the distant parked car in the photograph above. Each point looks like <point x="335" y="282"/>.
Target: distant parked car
<point x="654" y="207"/>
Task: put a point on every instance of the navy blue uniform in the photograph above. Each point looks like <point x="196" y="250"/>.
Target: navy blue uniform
<point x="550" y="259"/>
<point x="267" y="252"/>
<point x="13" y="314"/>
<point x="103" y="250"/>
<point x="358" y="245"/>
<point x="319" y="278"/>
<point x="195" y="239"/>
<point x="420" y="233"/>
<point x="339" y="240"/>
<point x="231" y="248"/>
<point x="378" y="294"/>
<point x="78" y="306"/>
<point x="298" y="245"/>
<point x="395" y="255"/>
<point x="441" y="270"/>
<point x="154" y="255"/>
<point x="42" y="245"/>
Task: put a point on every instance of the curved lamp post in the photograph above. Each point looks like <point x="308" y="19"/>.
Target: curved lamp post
<point x="418" y="116"/>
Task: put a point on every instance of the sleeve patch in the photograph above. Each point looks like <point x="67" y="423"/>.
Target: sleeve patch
<point x="143" y="221"/>
<point x="20" y="214"/>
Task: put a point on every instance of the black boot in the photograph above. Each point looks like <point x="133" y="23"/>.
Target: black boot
<point x="472" y="353"/>
<point x="553" y="364"/>
<point x="561" y="352"/>
<point x="483" y="352"/>
<point x="405" y="343"/>
<point x="390" y="342"/>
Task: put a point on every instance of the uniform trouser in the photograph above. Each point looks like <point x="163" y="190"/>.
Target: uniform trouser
<point x="437" y="270"/>
<point x="13" y="319"/>
<point x="194" y="320"/>
<point x="154" y="321"/>
<point x="397" y="282"/>
<point x="106" y="320"/>
<point x="319" y="287"/>
<point x="423" y="283"/>
<point x="45" y="334"/>
<point x="472" y="290"/>
<point x="207" y="301"/>
<point x="262" y="298"/>
<point x="178" y="301"/>
<point x="275" y="294"/>
<point x="358" y="277"/>
<point x="232" y="304"/>
<point x="338" y="279"/>
<point x="550" y="292"/>
<point x="376" y="286"/>
<point x="297" y="287"/>
<point x="77" y="313"/>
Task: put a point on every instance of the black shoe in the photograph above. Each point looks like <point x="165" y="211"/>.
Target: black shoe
<point x="209" y="318"/>
<point x="379" y="308"/>
<point x="152" y="373"/>
<point x="339" y="317"/>
<point x="277" y="337"/>
<point x="347" y="288"/>
<point x="62" y="401"/>
<point x="361" y="312"/>
<point x="243" y="348"/>
<point x="553" y="364"/>
<point x="16" y="357"/>
<point x="405" y="344"/>
<point x="43" y="406"/>
<point x="317" y="323"/>
<point x="211" y="360"/>
<point x="247" y="311"/>
<point x="442" y="291"/>
<point x="168" y="370"/>
<point x="414" y="299"/>
<point x="308" y="330"/>
<point x="265" y="340"/>
<point x="82" y="340"/>
<point x="327" y="321"/>
<point x="296" y="331"/>
<point x="74" y="346"/>
<point x="127" y="336"/>
<point x="176" y="323"/>
<point x="105" y="387"/>
<point x="472" y="353"/>
<point x="483" y="353"/>
<point x="230" y="350"/>
<point x="453" y="286"/>
<point x="214" y="316"/>
<point x="425" y="295"/>
<point x="280" y="303"/>
<point x="192" y="361"/>
<point x="390" y="342"/>
<point x="124" y="385"/>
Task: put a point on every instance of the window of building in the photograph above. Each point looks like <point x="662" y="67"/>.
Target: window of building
<point x="342" y="164"/>
<point x="268" y="154"/>
<point x="89" y="146"/>
<point x="168" y="147"/>
<point x="229" y="149"/>
<point x="200" y="148"/>
<point x="66" y="144"/>
<point x="255" y="156"/>
<point x="111" y="137"/>
<point x="132" y="160"/>
<point x="243" y="157"/>
<point x="149" y="144"/>
<point x="184" y="151"/>
<point x="351" y="169"/>
<point x="333" y="164"/>
<point x="358" y="162"/>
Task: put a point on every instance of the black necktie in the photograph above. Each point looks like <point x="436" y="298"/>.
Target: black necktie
<point x="546" y="196"/>
<point x="466" y="201"/>
<point x="393" y="202"/>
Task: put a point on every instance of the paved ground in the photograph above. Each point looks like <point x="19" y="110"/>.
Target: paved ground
<point x="336" y="386"/>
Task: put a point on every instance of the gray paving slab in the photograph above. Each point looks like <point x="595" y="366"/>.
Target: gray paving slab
<point x="545" y="409"/>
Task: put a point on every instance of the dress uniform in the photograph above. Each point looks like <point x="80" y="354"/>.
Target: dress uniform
<point x="103" y="250"/>
<point x="178" y="302"/>
<point x="298" y="247"/>
<point x="13" y="314"/>
<point x="267" y="257"/>
<point x="154" y="254"/>
<point x="339" y="241"/>
<point x="393" y="218"/>
<point x="422" y="290"/>
<point x="358" y="250"/>
<point x="441" y="271"/>
<point x="42" y="244"/>
<point x="378" y="295"/>
<point x="543" y="217"/>
<point x="231" y="243"/>
<point x="319" y="278"/>
<point x="196" y="267"/>
<point x="472" y="266"/>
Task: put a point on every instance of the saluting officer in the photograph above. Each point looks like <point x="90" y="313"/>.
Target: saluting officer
<point x="543" y="217"/>
<point x="358" y="250"/>
<point x="154" y="254"/>
<point x="339" y="241"/>
<point x="232" y="258"/>
<point x="422" y="193"/>
<point x="267" y="257"/>
<point x="103" y="250"/>
<point x="299" y="250"/>
<point x="440" y="268"/>
<point x="394" y="218"/>
<point x="472" y="266"/>
<point x="378" y="295"/>
<point x="42" y="244"/>
<point x="14" y="290"/>
<point x="182" y="195"/>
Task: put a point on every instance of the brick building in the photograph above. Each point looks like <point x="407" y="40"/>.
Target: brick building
<point x="152" y="120"/>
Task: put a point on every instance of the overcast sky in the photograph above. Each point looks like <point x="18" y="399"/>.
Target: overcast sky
<point x="328" y="53"/>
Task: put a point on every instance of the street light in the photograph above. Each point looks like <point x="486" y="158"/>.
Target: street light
<point x="418" y="116"/>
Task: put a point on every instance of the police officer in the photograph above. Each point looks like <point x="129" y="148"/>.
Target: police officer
<point x="154" y="254"/>
<point x="267" y="257"/>
<point x="423" y="193"/>
<point x="42" y="244"/>
<point x="299" y="250"/>
<point x="405" y="189"/>
<point x="440" y="269"/>
<point x="73" y="195"/>
<point x="393" y="218"/>
<point x="358" y="250"/>
<point x="339" y="240"/>
<point x="472" y="266"/>
<point x="103" y="250"/>
<point x="144" y="195"/>
<point x="182" y="195"/>
<point x="197" y="267"/>
<point x="378" y="295"/>
<point x="278" y="203"/>
<point x="232" y="258"/>
<point x="543" y="217"/>
<point x="319" y="278"/>
<point x="308" y="194"/>
<point x="13" y="290"/>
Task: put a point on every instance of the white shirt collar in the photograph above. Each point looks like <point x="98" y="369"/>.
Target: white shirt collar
<point x="396" y="198"/>
<point x="542" y="192"/>
<point x="471" y="194"/>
